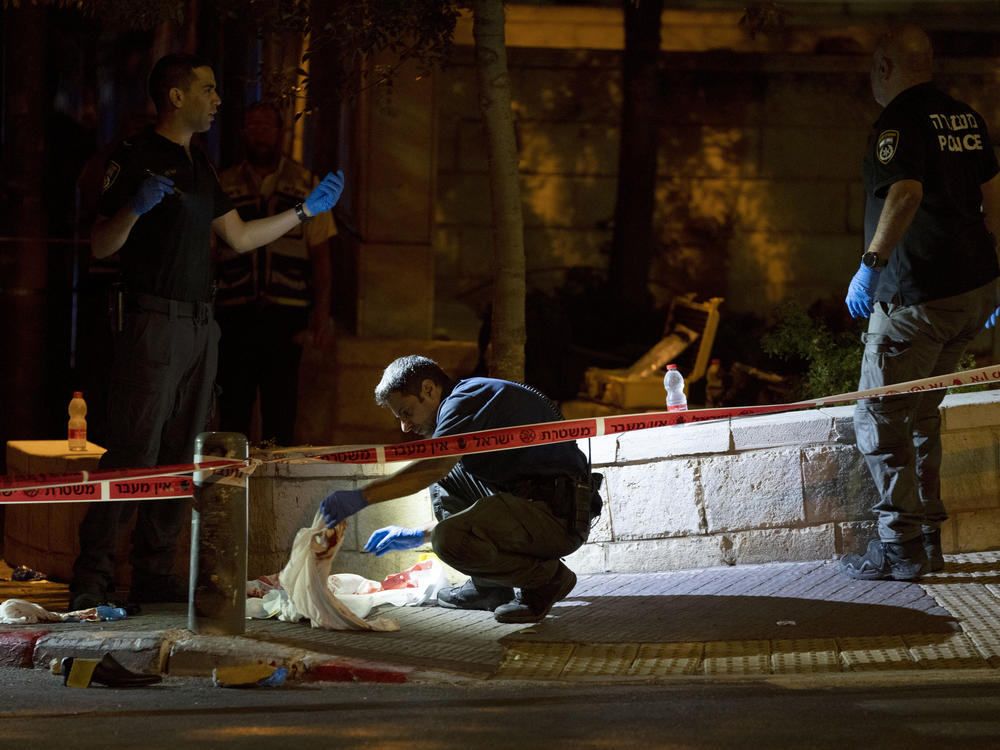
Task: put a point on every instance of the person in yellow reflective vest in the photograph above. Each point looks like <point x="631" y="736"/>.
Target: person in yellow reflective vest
<point x="267" y="298"/>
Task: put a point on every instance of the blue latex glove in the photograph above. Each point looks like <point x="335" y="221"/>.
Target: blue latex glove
<point x="151" y="192"/>
<point x="394" y="538"/>
<point x="326" y="194"/>
<point x="340" y="505"/>
<point x="993" y="318"/>
<point x="859" y="293"/>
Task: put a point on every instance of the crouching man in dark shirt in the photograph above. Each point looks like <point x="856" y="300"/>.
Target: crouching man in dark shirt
<point x="504" y="518"/>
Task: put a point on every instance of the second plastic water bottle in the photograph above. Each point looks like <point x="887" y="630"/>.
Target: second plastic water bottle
<point x="77" y="428"/>
<point x="673" y="381"/>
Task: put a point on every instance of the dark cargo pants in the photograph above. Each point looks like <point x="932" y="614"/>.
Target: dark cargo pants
<point x="900" y="436"/>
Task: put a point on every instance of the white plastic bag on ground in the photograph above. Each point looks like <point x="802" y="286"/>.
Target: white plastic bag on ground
<point x="304" y="578"/>
<point x="414" y="586"/>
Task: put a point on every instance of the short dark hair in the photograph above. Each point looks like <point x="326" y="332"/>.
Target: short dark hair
<point x="405" y="376"/>
<point x="174" y="71"/>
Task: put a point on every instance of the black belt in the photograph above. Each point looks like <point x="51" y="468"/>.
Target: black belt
<point x="200" y="311"/>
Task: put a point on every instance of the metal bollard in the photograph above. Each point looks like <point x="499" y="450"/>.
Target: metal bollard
<point x="218" y="587"/>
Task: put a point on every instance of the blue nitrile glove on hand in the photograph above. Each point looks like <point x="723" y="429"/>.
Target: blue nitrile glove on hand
<point x="151" y="192"/>
<point x="340" y="505"/>
<point x="859" y="293"/>
<point x="993" y="318"/>
<point x="394" y="538"/>
<point x="326" y="194"/>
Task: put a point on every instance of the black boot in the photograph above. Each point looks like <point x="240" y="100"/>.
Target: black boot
<point x="898" y="561"/>
<point x="932" y="548"/>
<point x="471" y="595"/>
<point x="531" y="605"/>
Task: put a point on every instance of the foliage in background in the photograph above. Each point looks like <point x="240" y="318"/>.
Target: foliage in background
<point x="829" y="360"/>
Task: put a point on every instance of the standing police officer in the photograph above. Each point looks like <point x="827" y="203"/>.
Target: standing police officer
<point x="161" y="199"/>
<point x="928" y="279"/>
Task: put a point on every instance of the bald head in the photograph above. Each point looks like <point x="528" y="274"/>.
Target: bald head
<point x="902" y="59"/>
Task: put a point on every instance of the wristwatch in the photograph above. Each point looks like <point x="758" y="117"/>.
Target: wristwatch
<point x="304" y="218"/>
<point x="872" y="260"/>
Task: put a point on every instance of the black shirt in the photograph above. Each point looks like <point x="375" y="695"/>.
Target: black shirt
<point x="167" y="252"/>
<point x="487" y="403"/>
<point x="925" y="135"/>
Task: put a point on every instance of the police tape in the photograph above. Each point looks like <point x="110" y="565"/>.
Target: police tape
<point x="522" y="436"/>
<point x="160" y="482"/>
<point x="150" y="483"/>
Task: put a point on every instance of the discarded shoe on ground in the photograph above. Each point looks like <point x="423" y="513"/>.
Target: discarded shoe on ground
<point x="107" y="671"/>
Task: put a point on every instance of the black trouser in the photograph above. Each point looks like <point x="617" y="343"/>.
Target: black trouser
<point x="497" y="538"/>
<point x="160" y="397"/>
<point x="258" y="350"/>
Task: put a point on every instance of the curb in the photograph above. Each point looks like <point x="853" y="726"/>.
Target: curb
<point x="180" y="653"/>
<point x="17" y="647"/>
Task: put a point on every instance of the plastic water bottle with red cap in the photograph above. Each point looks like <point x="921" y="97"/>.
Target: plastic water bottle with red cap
<point x="77" y="422"/>
<point x="673" y="381"/>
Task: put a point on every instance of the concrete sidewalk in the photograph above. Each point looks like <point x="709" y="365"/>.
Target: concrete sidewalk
<point x="779" y="618"/>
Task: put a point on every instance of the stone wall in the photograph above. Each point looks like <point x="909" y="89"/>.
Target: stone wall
<point x="759" y="489"/>
<point x="759" y="198"/>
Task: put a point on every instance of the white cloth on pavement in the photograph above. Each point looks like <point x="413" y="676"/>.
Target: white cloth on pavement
<point x="304" y="579"/>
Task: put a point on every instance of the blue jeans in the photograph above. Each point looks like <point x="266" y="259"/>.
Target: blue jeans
<point x="900" y="436"/>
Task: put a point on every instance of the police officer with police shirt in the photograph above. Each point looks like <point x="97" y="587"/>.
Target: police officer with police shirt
<point x="928" y="281"/>
<point x="160" y="202"/>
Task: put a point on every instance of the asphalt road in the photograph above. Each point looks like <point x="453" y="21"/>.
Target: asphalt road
<point x="937" y="710"/>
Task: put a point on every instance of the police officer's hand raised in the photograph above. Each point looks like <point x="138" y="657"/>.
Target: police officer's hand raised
<point x="151" y="192"/>
<point x="340" y="505"/>
<point x="326" y="194"/>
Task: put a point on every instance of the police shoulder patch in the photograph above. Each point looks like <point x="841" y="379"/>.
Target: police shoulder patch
<point x="110" y="175"/>
<point x="886" y="145"/>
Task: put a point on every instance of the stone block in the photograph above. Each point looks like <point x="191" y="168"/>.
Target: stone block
<point x="752" y="490"/>
<point x="141" y="651"/>
<point x="843" y="424"/>
<point x="547" y="248"/>
<point x="817" y="99"/>
<point x="853" y="536"/>
<point x="827" y="153"/>
<point x="717" y="151"/>
<point x="674" y="440"/>
<point x="566" y="201"/>
<point x="674" y="553"/>
<point x="567" y="148"/>
<point x="590" y="558"/>
<point x="463" y="198"/>
<point x="776" y="430"/>
<point x="784" y="545"/>
<point x="964" y="411"/>
<point x="603" y="450"/>
<point x="970" y="470"/>
<point x="653" y="500"/>
<point x="836" y="485"/>
<point x="787" y="205"/>
<point x="977" y="530"/>
<point x="393" y="304"/>
<point x="197" y="656"/>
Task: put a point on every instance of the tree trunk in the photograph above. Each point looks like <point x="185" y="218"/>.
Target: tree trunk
<point x="508" y="331"/>
<point x="633" y="240"/>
